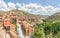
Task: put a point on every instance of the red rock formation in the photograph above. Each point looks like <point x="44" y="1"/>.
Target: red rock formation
<point x="10" y="28"/>
<point x="28" y="28"/>
<point x="6" y="22"/>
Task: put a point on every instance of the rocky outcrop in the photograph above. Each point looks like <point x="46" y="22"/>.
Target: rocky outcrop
<point x="11" y="28"/>
<point x="28" y="28"/>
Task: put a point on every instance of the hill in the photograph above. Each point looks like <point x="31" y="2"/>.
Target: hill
<point x="25" y="14"/>
<point x="43" y="16"/>
<point x="54" y="17"/>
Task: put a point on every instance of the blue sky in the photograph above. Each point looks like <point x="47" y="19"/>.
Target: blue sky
<point x="54" y="3"/>
<point x="42" y="7"/>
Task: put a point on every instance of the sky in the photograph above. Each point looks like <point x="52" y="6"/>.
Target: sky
<point x="38" y="7"/>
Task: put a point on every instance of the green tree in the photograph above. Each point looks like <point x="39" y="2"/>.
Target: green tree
<point x="38" y="31"/>
<point x="55" y="28"/>
<point x="47" y="29"/>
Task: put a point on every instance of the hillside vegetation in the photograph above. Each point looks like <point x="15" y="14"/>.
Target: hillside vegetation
<point x="47" y="29"/>
<point x="50" y="28"/>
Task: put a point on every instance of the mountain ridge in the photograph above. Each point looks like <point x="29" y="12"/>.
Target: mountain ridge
<point x="54" y="17"/>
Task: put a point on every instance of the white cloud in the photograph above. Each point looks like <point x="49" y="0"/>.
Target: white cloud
<point x="49" y="8"/>
<point x="17" y="4"/>
<point x="11" y="5"/>
<point x="33" y="8"/>
<point x="56" y="10"/>
<point x="3" y="5"/>
<point x="39" y="9"/>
